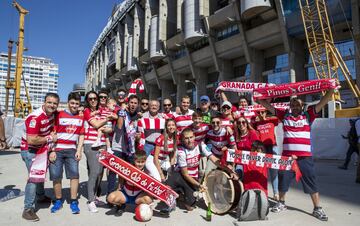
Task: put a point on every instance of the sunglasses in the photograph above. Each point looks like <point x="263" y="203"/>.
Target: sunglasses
<point x="144" y="103"/>
<point x="103" y="97"/>
<point x="216" y="122"/>
<point x="92" y="98"/>
<point x="242" y="122"/>
<point x="167" y="105"/>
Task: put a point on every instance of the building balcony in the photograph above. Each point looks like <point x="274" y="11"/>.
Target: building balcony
<point x="222" y="17"/>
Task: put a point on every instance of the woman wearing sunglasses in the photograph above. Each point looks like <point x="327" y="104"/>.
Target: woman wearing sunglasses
<point x="245" y="134"/>
<point x="93" y="121"/>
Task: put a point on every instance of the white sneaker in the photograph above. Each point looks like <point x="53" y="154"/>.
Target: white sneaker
<point x="92" y="207"/>
<point x="96" y="144"/>
<point x="110" y="151"/>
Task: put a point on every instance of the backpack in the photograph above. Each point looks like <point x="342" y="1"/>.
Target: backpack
<point x="253" y="205"/>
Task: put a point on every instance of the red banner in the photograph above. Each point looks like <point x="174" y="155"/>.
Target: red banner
<point x="262" y="160"/>
<point x="138" y="178"/>
<point x="298" y="88"/>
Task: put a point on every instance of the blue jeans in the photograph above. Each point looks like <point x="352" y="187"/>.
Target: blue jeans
<point x="274" y="173"/>
<point x="148" y="148"/>
<point x="64" y="157"/>
<point x="111" y="179"/>
<point x="32" y="190"/>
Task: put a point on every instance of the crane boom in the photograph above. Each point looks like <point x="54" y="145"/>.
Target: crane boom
<point x="325" y="57"/>
<point x="19" y="106"/>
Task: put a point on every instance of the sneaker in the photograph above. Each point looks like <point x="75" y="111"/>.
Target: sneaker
<point x="320" y="214"/>
<point x="99" y="202"/>
<point x="167" y="210"/>
<point x="30" y="215"/>
<point x="109" y="150"/>
<point x="342" y="167"/>
<point x="279" y="206"/>
<point x="92" y="207"/>
<point x="57" y="206"/>
<point x="116" y="210"/>
<point x="74" y="206"/>
<point x="44" y="199"/>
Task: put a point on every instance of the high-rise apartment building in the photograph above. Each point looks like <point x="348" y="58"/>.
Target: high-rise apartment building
<point x="40" y="74"/>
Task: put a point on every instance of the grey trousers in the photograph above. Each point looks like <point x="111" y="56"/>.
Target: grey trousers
<point x="95" y="171"/>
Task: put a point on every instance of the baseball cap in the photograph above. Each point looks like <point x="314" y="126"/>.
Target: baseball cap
<point x="205" y="98"/>
<point x="226" y="103"/>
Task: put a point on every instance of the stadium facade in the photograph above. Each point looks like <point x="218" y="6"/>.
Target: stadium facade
<point x="183" y="47"/>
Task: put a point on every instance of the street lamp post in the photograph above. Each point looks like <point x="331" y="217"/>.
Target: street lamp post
<point x="192" y="82"/>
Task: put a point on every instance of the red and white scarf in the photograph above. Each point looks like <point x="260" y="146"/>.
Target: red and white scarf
<point x="39" y="165"/>
<point x="298" y="88"/>
<point x="262" y="160"/>
<point x="139" y="178"/>
<point x="136" y="83"/>
<point x="239" y="87"/>
<point x="259" y="107"/>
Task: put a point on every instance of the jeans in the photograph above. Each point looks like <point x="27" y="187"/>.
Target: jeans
<point x="111" y="178"/>
<point x="65" y="158"/>
<point x="148" y="148"/>
<point x="32" y="190"/>
<point x="274" y="173"/>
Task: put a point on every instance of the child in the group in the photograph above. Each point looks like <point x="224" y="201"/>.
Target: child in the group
<point x="128" y="193"/>
<point x="255" y="177"/>
<point x="104" y="112"/>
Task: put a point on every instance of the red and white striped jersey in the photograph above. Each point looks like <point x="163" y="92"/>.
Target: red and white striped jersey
<point x="150" y="129"/>
<point x="68" y="128"/>
<point x="160" y="142"/>
<point x="91" y="132"/>
<point x="191" y="158"/>
<point x="201" y="132"/>
<point x="225" y="122"/>
<point x="37" y="123"/>
<point x="183" y="120"/>
<point x="297" y="132"/>
<point x="130" y="189"/>
<point x="168" y="115"/>
<point x="246" y="113"/>
<point x="219" y="139"/>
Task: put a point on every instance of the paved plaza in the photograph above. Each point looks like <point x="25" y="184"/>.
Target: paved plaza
<point x="340" y="198"/>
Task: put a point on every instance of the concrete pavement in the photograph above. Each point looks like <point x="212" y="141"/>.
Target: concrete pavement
<point x="340" y="198"/>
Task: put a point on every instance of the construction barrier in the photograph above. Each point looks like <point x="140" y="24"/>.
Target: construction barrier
<point x="14" y="130"/>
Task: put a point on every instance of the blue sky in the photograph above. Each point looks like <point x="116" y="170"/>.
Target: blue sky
<point x="62" y="30"/>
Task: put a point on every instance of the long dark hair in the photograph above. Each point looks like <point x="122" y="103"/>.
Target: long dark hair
<point x="87" y="104"/>
<point x="166" y="135"/>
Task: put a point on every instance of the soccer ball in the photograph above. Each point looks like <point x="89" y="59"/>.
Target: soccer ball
<point x="143" y="212"/>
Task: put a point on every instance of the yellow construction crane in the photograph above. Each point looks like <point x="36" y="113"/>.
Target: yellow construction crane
<point x="325" y="56"/>
<point x="20" y="107"/>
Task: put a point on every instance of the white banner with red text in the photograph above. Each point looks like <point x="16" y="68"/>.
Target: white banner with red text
<point x="262" y="160"/>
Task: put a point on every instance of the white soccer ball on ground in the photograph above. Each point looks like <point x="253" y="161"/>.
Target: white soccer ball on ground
<point x="143" y="212"/>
